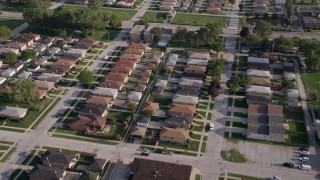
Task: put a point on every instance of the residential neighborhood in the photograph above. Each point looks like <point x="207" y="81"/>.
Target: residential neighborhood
<point x="159" y="89"/>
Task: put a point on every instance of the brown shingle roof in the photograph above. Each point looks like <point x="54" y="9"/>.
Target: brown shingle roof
<point x="196" y="69"/>
<point x="180" y="134"/>
<point x="152" y="106"/>
<point x="121" y="69"/>
<point x="182" y="108"/>
<point x="134" y="51"/>
<point x="138" y="46"/>
<point x="63" y="63"/>
<point x="273" y="108"/>
<point x="260" y="81"/>
<point x="116" y="76"/>
<point x="130" y="57"/>
<point x="99" y="100"/>
<point x="111" y="84"/>
<point x="257" y="108"/>
<point x="126" y="63"/>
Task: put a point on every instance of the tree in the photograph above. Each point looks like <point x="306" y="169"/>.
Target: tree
<point x="115" y="22"/>
<point x="263" y="29"/>
<point x="180" y="33"/>
<point x="94" y="4"/>
<point x="245" y="81"/>
<point x="286" y="83"/>
<point x="247" y="14"/>
<point x="234" y="84"/>
<point x="86" y="77"/>
<point x="241" y="7"/>
<point x="313" y="60"/>
<point x="147" y="113"/>
<point x="214" y="87"/>
<point x="149" y="138"/>
<point x="156" y="32"/>
<point x="274" y="16"/>
<point x="142" y="22"/>
<point x="254" y="39"/>
<point x="5" y="33"/>
<point x="232" y="1"/>
<point x="244" y="33"/>
<point x="23" y="91"/>
<point x="131" y="107"/>
<point x="243" y="22"/>
<point x="265" y="15"/>
<point x="217" y="71"/>
<point x="283" y="44"/>
<point x="29" y="54"/>
<point x="11" y="58"/>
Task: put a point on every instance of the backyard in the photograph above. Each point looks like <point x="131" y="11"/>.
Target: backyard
<point x="197" y="20"/>
<point x="311" y="81"/>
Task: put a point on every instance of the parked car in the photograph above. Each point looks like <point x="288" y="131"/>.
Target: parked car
<point x="305" y="167"/>
<point x="304" y="158"/>
<point x="275" y="178"/>
<point x="305" y="152"/>
<point x="288" y="164"/>
<point x="25" y="154"/>
<point x="303" y="155"/>
<point x="145" y="153"/>
<point x="159" y="151"/>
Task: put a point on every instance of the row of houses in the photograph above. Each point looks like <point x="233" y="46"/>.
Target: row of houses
<point x="61" y="165"/>
<point x="208" y="6"/>
<point x="179" y="116"/>
<point x="265" y="118"/>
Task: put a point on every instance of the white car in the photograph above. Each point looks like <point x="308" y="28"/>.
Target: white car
<point x="305" y="152"/>
<point x="275" y="178"/>
<point x="106" y="58"/>
<point x="211" y="126"/>
<point x="304" y="158"/>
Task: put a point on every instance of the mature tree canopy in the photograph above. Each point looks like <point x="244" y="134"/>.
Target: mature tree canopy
<point x="5" y="33"/>
<point x="181" y="33"/>
<point x="23" y="91"/>
<point x="29" y="54"/>
<point x="244" y="33"/>
<point x="283" y="44"/>
<point x="263" y="29"/>
<point x="86" y="77"/>
<point x="311" y="50"/>
<point x="11" y="58"/>
<point x="114" y="22"/>
<point x="241" y="7"/>
<point x="234" y="84"/>
<point x="147" y="113"/>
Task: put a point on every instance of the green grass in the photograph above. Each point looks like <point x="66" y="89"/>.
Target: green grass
<point x="154" y="17"/>
<point x="205" y="138"/>
<point x="17" y="7"/>
<point x="69" y="131"/>
<point x="6" y="157"/>
<point x="56" y="91"/>
<point x="239" y="114"/>
<point x="297" y="139"/>
<point x="240" y="102"/>
<point x="297" y="126"/>
<point x="197" y="128"/>
<point x="244" y="176"/>
<point x="311" y="81"/>
<point x="196" y="136"/>
<point x="106" y="35"/>
<point x="203" y="114"/>
<point x="6" y="142"/>
<point x="11" y="129"/>
<point x="230" y="102"/>
<point x="31" y="116"/>
<point x="113" y="115"/>
<point x="239" y="125"/>
<point x="203" y="147"/>
<point x="197" y="20"/>
<point x="98" y="141"/>
<point x="209" y="116"/>
<point x="11" y="23"/>
<point x="161" y="101"/>
<point x="4" y="147"/>
<point x="114" y="130"/>
<point x="46" y="113"/>
<point x="194" y="145"/>
<point x="233" y="155"/>
<point x="123" y="14"/>
<point x="296" y="115"/>
<point x="198" y="177"/>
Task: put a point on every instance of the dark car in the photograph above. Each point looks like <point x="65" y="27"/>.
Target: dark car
<point x="159" y="151"/>
<point x="288" y="164"/>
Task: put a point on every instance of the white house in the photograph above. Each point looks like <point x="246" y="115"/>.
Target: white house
<point x="49" y="77"/>
<point x="13" y="112"/>
<point x="293" y="93"/>
<point x="258" y="89"/>
<point x="134" y="96"/>
<point x="181" y="99"/>
<point x="24" y="75"/>
<point x="106" y="92"/>
<point x="172" y="60"/>
<point x="258" y="73"/>
<point x="33" y="68"/>
<point x="202" y="56"/>
<point x="190" y="83"/>
<point x="76" y="51"/>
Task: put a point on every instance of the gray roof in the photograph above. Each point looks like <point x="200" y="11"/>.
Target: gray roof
<point x="93" y="110"/>
<point x="190" y="82"/>
<point x="142" y="119"/>
<point x="180" y="119"/>
<point x="13" y="112"/>
<point x="185" y="99"/>
<point x="97" y="165"/>
<point x="43" y="172"/>
<point x="275" y="119"/>
<point x="49" y="77"/>
<point x="277" y="130"/>
<point x="256" y="119"/>
<point x="188" y="91"/>
<point x="56" y="157"/>
<point x="105" y="91"/>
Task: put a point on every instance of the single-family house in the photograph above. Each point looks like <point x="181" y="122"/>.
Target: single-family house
<point x="197" y="62"/>
<point x="126" y="63"/>
<point x="122" y="69"/>
<point x="117" y="77"/>
<point x="99" y="101"/>
<point x="46" y="172"/>
<point x="5" y="51"/>
<point x="143" y="121"/>
<point x="195" y="69"/>
<point x="187" y="100"/>
<point x="258" y="73"/>
<point x="190" y="83"/>
<point x="111" y="84"/>
<point x="188" y="92"/>
<point x="48" y="41"/>
<point x="15" y="113"/>
<point x="39" y="49"/>
<point x="293" y="93"/>
<point x="138" y="46"/>
<point x="178" y="122"/>
<point x="2" y="80"/>
<point x="40" y="62"/>
<point x="97" y="165"/>
<point x="150" y="106"/>
<point x="134" y="96"/>
<point x="8" y="73"/>
<point x="93" y="110"/>
<point x="290" y="76"/>
<point x="16" y="45"/>
<point x="84" y="123"/>
<point x="59" y="159"/>
<point x="140" y="87"/>
<point x="145" y="73"/>
<point x="257" y="98"/>
<point x="105" y="92"/>
<point x="132" y="57"/>
<point x="174" y="135"/>
<point x="260" y="81"/>
<point x="172" y="60"/>
<point x="49" y="77"/>
<point x="139" y="52"/>
<point x="136" y="33"/>
<point x="45" y="85"/>
<point x="138" y="132"/>
<point x="291" y="102"/>
<point x="72" y="51"/>
<point x="182" y="110"/>
<point x="33" y="68"/>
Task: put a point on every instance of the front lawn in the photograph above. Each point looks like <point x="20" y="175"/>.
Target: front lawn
<point x="11" y="23"/>
<point x="106" y="35"/>
<point x="239" y="114"/>
<point x="233" y="155"/>
<point x="297" y="138"/>
<point x="297" y="126"/>
<point x="161" y="101"/>
<point x="118" y="116"/>
<point x="198" y="20"/>
<point x="311" y="81"/>
<point x="193" y="146"/>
